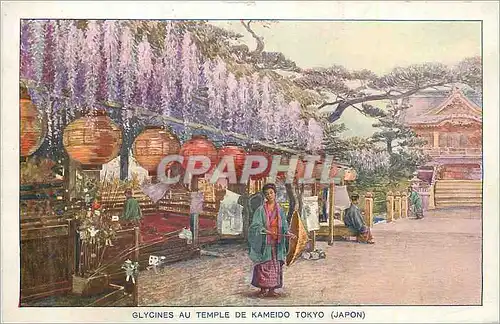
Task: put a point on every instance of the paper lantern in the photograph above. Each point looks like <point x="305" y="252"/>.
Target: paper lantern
<point x="350" y="175"/>
<point x="32" y="126"/>
<point x="255" y="164"/>
<point x="92" y="140"/>
<point x="199" y="145"/>
<point x="238" y="154"/>
<point x="299" y="170"/>
<point x="152" y="145"/>
<point x="318" y="170"/>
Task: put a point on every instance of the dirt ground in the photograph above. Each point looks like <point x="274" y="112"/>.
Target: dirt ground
<point x="434" y="261"/>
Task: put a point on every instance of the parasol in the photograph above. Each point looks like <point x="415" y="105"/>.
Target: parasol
<point x="298" y="244"/>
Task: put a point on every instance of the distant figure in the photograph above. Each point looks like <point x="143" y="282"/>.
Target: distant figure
<point x="267" y="237"/>
<point x="131" y="209"/>
<point x="354" y="221"/>
<point x="416" y="203"/>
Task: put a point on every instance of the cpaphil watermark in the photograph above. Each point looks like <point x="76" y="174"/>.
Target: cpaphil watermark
<point x="313" y="168"/>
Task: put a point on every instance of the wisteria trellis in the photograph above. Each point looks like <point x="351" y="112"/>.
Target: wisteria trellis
<point x="105" y="62"/>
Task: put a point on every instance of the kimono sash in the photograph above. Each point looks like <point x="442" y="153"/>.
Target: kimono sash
<point x="273" y="223"/>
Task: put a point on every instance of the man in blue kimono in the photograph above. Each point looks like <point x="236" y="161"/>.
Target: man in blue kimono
<point x="355" y="222"/>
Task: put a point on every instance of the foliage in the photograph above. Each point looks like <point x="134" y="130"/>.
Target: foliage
<point x="400" y="83"/>
<point x="38" y="170"/>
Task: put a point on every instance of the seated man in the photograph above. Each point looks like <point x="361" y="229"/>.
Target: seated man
<point x="354" y="221"/>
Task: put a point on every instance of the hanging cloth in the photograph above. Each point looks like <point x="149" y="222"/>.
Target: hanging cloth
<point x="156" y="191"/>
<point x="310" y="213"/>
<point x="342" y="200"/>
<point x="230" y="217"/>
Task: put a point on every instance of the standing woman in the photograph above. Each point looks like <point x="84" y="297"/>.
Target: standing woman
<point x="267" y="238"/>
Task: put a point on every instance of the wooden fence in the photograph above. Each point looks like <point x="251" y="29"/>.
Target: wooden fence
<point x="397" y="205"/>
<point x="47" y="260"/>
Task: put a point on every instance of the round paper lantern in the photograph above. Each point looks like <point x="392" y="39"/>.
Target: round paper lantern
<point x="238" y="154"/>
<point x="318" y="170"/>
<point x="299" y="170"/>
<point x="32" y="127"/>
<point x="152" y="145"/>
<point x="92" y="140"/>
<point x="350" y="175"/>
<point x="199" y="145"/>
<point x="255" y="164"/>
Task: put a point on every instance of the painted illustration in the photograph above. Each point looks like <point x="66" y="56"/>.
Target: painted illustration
<point x="250" y="163"/>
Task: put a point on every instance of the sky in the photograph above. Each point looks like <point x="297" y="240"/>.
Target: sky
<point x="377" y="46"/>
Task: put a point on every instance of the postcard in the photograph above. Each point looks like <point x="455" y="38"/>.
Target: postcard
<point x="249" y="161"/>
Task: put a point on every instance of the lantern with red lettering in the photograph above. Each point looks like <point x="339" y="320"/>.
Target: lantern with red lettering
<point x="238" y="154"/>
<point x="196" y="146"/>
<point x="318" y="170"/>
<point x="255" y="165"/>
<point x="299" y="170"/>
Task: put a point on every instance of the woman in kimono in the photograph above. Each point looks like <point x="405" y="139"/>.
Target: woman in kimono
<point x="416" y="203"/>
<point x="355" y="222"/>
<point x="267" y="238"/>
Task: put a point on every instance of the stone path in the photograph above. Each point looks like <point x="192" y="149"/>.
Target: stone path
<point x="434" y="261"/>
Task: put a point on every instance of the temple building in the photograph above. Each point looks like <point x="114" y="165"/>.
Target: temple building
<point x="451" y="124"/>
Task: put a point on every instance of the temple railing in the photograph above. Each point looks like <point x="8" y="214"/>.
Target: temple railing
<point x="453" y="151"/>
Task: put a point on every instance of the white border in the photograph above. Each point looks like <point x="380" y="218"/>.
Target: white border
<point x="13" y="11"/>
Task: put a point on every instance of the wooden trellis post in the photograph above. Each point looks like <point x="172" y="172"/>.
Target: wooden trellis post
<point x="390" y="207"/>
<point x="331" y="211"/>
<point x="397" y="205"/>
<point x="369" y="209"/>
<point x="404" y="205"/>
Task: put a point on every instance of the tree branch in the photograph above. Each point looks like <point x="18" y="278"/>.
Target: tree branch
<point x="344" y="104"/>
<point x="260" y="40"/>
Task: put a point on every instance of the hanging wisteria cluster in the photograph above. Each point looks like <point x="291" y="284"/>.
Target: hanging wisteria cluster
<point x="365" y="160"/>
<point x="104" y="61"/>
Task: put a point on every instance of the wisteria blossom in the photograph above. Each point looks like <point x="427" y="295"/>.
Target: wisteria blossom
<point x="366" y="160"/>
<point x="92" y="60"/>
<point x="111" y="56"/>
<point x="81" y="66"/>
<point x="232" y="103"/>
<point x="144" y="69"/>
<point x="315" y="136"/>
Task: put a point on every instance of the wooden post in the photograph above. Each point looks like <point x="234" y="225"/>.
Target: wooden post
<point x="71" y="247"/>
<point x="196" y="220"/>
<point x="313" y="240"/>
<point x="404" y="205"/>
<point x="71" y="183"/>
<point x="136" y="257"/>
<point x="369" y="209"/>
<point x="432" y="199"/>
<point x="397" y="205"/>
<point x="435" y="137"/>
<point x="390" y="207"/>
<point x="331" y="211"/>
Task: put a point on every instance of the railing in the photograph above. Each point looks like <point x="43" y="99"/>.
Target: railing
<point x="459" y="151"/>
